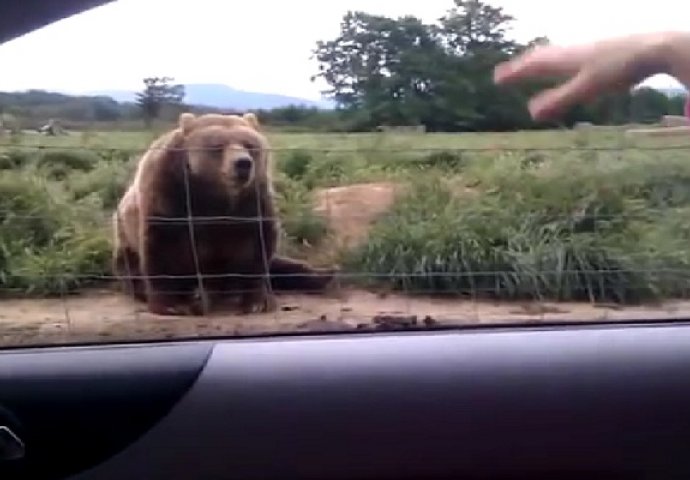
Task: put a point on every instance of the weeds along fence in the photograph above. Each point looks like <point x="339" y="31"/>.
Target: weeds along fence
<point x="570" y="220"/>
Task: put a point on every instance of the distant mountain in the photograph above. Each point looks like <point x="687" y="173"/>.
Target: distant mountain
<point x="222" y="96"/>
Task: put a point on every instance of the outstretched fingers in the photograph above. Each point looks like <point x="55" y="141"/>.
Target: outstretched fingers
<point x="555" y="101"/>
<point x="540" y="61"/>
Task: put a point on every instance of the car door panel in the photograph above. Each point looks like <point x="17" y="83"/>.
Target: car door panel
<point x="570" y="402"/>
<point x="75" y="407"/>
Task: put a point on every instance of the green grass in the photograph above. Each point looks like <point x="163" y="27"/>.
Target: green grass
<point x="522" y="215"/>
<point x="571" y="231"/>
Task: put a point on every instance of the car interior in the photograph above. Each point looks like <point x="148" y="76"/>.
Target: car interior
<point x="556" y="400"/>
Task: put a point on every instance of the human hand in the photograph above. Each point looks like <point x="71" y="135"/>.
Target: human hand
<point x="597" y="68"/>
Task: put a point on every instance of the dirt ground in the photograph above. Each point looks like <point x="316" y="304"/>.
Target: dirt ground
<point x="106" y="315"/>
<point x="353" y="209"/>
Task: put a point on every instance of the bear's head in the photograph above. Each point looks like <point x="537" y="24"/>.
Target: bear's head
<point x="228" y="149"/>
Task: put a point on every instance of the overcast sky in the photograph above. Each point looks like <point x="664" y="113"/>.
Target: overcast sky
<point x="265" y="45"/>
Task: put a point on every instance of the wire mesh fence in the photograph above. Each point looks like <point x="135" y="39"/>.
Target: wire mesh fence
<point x="375" y="231"/>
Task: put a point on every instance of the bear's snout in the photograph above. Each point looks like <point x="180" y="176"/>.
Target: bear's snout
<point x="243" y="168"/>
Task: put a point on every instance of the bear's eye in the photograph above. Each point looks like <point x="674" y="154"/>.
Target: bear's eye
<point x="215" y="149"/>
<point x="250" y="147"/>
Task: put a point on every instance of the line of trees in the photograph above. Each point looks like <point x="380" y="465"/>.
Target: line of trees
<point x="402" y="71"/>
<point x="160" y="98"/>
<point x="384" y="71"/>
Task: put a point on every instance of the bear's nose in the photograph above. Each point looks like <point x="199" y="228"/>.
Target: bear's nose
<point x="243" y="165"/>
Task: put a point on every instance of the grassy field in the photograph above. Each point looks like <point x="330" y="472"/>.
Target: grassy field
<point x="558" y="215"/>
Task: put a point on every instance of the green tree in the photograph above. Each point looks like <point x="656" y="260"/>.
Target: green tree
<point x="382" y="70"/>
<point x="158" y="92"/>
<point x="676" y="105"/>
<point x="474" y="37"/>
<point x="648" y="105"/>
<point x="397" y="71"/>
<point x="473" y="28"/>
<point x="381" y="65"/>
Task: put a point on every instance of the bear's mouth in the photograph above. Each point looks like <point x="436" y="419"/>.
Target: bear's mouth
<point x="243" y="177"/>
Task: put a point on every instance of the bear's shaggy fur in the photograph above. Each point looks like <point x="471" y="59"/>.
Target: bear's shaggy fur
<point x="193" y="210"/>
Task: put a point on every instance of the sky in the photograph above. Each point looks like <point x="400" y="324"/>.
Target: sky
<point x="266" y="45"/>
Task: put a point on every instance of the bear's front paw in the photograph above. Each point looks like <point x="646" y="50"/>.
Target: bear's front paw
<point x="259" y="302"/>
<point x="326" y="276"/>
<point x="321" y="279"/>
<point x="179" y="309"/>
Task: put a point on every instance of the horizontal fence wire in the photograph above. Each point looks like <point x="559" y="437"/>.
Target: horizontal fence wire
<point x="480" y="292"/>
<point x="225" y="219"/>
<point x="362" y="275"/>
<point x="416" y="149"/>
<point x="507" y="262"/>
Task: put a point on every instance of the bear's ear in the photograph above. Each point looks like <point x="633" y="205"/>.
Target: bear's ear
<point x="186" y="122"/>
<point x="252" y="120"/>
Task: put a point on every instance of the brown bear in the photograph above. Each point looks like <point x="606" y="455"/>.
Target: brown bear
<point x="199" y="216"/>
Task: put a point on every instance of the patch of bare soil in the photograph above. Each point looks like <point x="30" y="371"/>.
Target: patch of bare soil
<point x="352" y="210"/>
<point x="105" y="315"/>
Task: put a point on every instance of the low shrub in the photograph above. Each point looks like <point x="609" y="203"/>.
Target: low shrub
<point x="50" y="244"/>
<point x="570" y="231"/>
<point x="59" y="163"/>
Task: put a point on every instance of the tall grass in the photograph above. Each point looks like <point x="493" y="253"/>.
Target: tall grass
<point x="573" y="228"/>
<point x="55" y="210"/>
<point x="478" y="218"/>
<point x="49" y="244"/>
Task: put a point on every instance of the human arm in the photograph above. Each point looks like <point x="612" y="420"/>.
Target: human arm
<point x="597" y="68"/>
